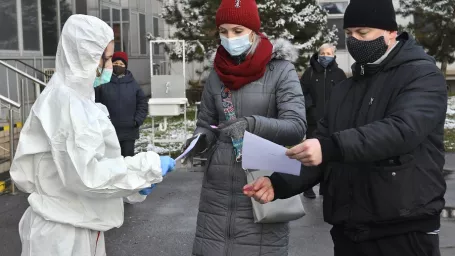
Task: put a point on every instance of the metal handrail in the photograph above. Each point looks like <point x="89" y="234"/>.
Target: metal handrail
<point x="22" y="73"/>
<point x="30" y="66"/>
<point x="17" y="105"/>
<point x="10" y="102"/>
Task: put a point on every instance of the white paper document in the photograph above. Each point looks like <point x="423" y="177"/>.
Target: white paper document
<point x="261" y="154"/>
<point x="189" y="148"/>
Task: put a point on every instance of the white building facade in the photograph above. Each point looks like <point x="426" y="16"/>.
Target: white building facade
<point x="31" y="30"/>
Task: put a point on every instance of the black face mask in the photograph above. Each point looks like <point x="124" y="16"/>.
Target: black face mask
<point x="365" y="52"/>
<point x="119" y="70"/>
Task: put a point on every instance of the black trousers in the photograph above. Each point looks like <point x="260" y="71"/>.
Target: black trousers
<point x="127" y="147"/>
<point x="410" y="244"/>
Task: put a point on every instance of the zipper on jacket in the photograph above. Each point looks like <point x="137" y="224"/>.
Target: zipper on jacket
<point x="236" y="101"/>
<point x="362" y="70"/>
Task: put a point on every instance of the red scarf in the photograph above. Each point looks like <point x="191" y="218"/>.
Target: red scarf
<point x="251" y="69"/>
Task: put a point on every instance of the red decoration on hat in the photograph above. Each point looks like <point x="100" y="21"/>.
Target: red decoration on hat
<point x="239" y="12"/>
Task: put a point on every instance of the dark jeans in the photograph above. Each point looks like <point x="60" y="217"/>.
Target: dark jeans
<point x="410" y="244"/>
<point x="127" y="147"/>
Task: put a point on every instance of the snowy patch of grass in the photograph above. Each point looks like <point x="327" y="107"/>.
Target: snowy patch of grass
<point x="449" y="127"/>
<point x="449" y="140"/>
<point x="175" y="131"/>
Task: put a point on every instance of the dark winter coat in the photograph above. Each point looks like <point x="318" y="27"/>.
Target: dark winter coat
<point x="317" y="83"/>
<point x="126" y="103"/>
<point x="387" y="124"/>
<point x="275" y="102"/>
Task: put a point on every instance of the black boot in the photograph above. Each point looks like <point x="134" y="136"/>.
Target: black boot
<point x="309" y="194"/>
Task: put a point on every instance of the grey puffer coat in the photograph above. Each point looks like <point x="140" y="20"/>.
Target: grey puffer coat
<point x="276" y="104"/>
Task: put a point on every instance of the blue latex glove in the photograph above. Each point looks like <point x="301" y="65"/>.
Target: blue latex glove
<point x="147" y="191"/>
<point x="167" y="164"/>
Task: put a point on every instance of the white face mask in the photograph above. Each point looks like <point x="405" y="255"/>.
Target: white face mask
<point x="237" y="45"/>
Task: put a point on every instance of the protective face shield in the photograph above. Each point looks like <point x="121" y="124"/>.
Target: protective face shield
<point x="104" y="78"/>
<point x="237" y="45"/>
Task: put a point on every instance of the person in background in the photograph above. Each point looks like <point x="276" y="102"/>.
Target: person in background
<point x="253" y="87"/>
<point x="68" y="157"/>
<point x="380" y="145"/>
<point x="125" y="101"/>
<point x="317" y="83"/>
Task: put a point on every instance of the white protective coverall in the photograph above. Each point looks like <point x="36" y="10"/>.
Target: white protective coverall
<point x="68" y="157"/>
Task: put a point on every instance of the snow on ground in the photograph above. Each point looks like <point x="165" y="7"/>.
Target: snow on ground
<point x="450" y="119"/>
<point x="174" y="131"/>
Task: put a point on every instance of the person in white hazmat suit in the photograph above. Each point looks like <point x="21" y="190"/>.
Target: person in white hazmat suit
<point x="68" y="157"/>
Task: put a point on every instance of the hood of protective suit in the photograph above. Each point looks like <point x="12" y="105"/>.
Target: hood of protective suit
<point x="82" y="43"/>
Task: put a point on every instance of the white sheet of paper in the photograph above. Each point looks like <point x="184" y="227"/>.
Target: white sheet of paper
<point x="261" y="154"/>
<point x="189" y="148"/>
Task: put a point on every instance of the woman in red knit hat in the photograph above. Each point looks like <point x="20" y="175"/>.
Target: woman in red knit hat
<point x="254" y="87"/>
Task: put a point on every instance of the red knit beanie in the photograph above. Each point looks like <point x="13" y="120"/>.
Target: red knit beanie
<point x="239" y="12"/>
<point x="121" y="56"/>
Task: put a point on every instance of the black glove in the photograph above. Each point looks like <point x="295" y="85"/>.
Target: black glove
<point x="199" y="148"/>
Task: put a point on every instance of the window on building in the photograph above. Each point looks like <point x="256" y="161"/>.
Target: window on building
<point x="156" y="33"/>
<point x="30" y="25"/>
<point x="125" y="29"/>
<point x="338" y="23"/>
<point x="335" y="10"/>
<point x="125" y="14"/>
<point x="8" y="25"/>
<point x="106" y="14"/>
<point x="138" y="33"/>
<point x="142" y="34"/>
<point x="51" y="26"/>
<point x="134" y="31"/>
<point x="125" y="24"/>
<point x="334" y="7"/>
<point x="116" y="26"/>
<point x="118" y="19"/>
<point x="66" y="10"/>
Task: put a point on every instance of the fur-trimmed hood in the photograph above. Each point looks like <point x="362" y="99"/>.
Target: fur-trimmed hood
<point x="282" y="50"/>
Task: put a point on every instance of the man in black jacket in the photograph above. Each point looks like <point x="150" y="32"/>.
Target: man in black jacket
<point x="317" y="83"/>
<point x="380" y="144"/>
<point x="125" y="101"/>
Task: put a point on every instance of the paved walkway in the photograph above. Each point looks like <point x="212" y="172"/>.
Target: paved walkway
<point x="450" y="179"/>
<point x="165" y="224"/>
<point x="450" y="162"/>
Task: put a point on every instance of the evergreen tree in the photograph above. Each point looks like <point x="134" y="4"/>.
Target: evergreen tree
<point x="433" y="27"/>
<point x="303" y="22"/>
